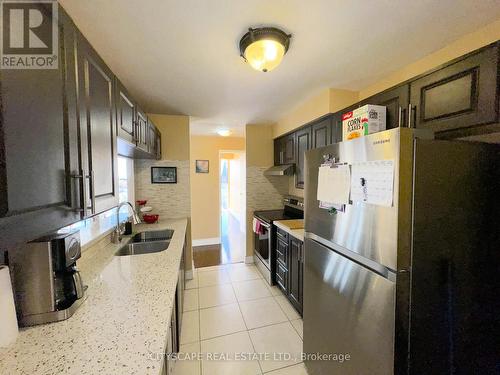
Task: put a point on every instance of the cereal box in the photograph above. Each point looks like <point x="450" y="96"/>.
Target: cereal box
<point x="363" y="121"/>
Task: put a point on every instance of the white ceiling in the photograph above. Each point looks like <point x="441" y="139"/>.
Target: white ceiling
<point x="181" y="56"/>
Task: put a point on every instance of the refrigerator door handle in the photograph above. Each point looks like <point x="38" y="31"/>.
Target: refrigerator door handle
<point x="382" y="270"/>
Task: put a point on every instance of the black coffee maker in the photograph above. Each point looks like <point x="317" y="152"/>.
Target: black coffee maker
<point x="47" y="284"/>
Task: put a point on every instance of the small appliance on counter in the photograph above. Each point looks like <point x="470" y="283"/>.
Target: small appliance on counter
<point x="47" y="285"/>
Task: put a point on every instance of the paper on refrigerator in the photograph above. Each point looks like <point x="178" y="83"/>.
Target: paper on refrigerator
<point x="373" y="182"/>
<point x="334" y="184"/>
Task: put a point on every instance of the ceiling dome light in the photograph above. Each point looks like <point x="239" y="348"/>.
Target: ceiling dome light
<point x="264" y="48"/>
<point x="224" y="132"/>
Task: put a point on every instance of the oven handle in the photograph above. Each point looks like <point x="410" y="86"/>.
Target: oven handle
<point x="268" y="226"/>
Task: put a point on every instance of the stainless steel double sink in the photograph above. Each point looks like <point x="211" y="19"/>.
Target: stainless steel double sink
<point x="147" y="242"/>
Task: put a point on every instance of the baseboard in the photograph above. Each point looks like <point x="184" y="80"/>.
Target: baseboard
<point x="206" y="241"/>
<point x="249" y="259"/>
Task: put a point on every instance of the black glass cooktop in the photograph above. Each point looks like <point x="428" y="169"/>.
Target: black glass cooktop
<point x="272" y="215"/>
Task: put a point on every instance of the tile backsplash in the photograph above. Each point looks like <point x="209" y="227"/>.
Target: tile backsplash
<point x="167" y="200"/>
<point x="263" y="193"/>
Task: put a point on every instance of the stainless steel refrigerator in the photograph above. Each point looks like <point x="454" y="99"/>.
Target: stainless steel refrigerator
<point x="410" y="288"/>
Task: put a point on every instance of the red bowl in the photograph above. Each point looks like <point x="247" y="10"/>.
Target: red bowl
<point x="142" y="202"/>
<point x="150" y="219"/>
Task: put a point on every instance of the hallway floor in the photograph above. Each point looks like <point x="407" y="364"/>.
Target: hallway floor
<point x="230" y="250"/>
<point x="240" y="324"/>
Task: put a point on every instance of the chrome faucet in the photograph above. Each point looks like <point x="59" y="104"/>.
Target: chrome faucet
<point x="116" y="236"/>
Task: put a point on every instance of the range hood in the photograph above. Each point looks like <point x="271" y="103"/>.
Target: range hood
<point x="280" y="170"/>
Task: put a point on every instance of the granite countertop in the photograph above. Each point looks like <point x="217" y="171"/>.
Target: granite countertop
<point x="291" y="229"/>
<point x="121" y="326"/>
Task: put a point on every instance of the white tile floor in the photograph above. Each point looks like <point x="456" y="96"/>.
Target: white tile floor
<point x="231" y="311"/>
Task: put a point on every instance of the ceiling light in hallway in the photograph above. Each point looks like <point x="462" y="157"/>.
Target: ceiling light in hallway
<point x="224" y="132"/>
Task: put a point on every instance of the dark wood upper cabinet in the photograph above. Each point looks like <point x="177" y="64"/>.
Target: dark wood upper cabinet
<point x="97" y="128"/>
<point x="458" y="96"/>
<point x="396" y="100"/>
<point x="284" y="149"/>
<point x="151" y="138"/>
<point x="38" y="148"/>
<point x="296" y="273"/>
<point x="303" y="141"/>
<point x="337" y="123"/>
<point x="142" y="131"/>
<point x="125" y="114"/>
<point x="321" y="132"/>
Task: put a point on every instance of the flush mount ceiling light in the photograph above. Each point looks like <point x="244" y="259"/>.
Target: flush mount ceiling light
<point x="263" y="48"/>
<point x="224" y="132"/>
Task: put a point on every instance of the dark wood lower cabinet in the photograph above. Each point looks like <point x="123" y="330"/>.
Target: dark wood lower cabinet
<point x="296" y="273"/>
<point x="290" y="268"/>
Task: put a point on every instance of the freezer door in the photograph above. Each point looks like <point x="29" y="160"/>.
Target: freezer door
<point x="379" y="233"/>
<point x="348" y="310"/>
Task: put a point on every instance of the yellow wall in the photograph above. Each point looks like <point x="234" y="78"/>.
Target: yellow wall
<point x="259" y="145"/>
<point x="205" y="186"/>
<point x="174" y="135"/>
<point x="312" y="108"/>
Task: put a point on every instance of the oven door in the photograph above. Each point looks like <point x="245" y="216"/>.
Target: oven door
<point x="262" y="244"/>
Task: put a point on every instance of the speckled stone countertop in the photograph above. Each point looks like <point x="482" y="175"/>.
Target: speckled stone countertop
<point x="121" y="326"/>
<point x="297" y="233"/>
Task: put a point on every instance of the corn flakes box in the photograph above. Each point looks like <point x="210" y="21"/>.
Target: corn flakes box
<point x="363" y="121"/>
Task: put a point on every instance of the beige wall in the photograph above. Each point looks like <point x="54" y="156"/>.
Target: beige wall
<point x="175" y="135"/>
<point x="205" y="200"/>
<point x="259" y="145"/>
<point x="332" y="100"/>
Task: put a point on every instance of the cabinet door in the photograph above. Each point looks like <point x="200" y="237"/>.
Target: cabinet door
<point x="151" y="139"/>
<point x="295" y="273"/>
<point x="303" y="144"/>
<point x="460" y="95"/>
<point x="321" y="133"/>
<point x="97" y="120"/>
<point x="396" y="101"/>
<point x="38" y="147"/>
<point x="282" y="277"/>
<point x="337" y="123"/>
<point x="282" y="252"/>
<point x="142" y="130"/>
<point x="278" y="151"/>
<point x="125" y="114"/>
<point x="158" y="144"/>
<point x="289" y="149"/>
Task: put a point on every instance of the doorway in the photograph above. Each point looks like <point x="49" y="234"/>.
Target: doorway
<point x="232" y="206"/>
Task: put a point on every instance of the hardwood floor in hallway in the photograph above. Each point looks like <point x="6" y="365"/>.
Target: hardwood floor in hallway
<point x="230" y="250"/>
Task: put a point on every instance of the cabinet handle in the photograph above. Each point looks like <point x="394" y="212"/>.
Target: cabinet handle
<point x="410" y="115"/>
<point x="400" y="116"/>
<point x="81" y="180"/>
<point x="92" y="192"/>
